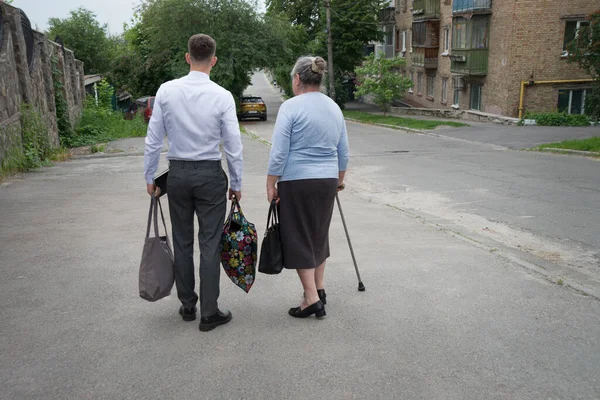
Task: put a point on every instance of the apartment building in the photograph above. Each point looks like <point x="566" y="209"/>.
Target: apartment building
<point x="476" y="54"/>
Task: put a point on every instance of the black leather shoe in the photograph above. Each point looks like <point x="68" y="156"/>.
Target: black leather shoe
<point x="188" y="314"/>
<point x="210" y="323"/>
<point x="318" y="309"/>
<point x="322" y="296"/>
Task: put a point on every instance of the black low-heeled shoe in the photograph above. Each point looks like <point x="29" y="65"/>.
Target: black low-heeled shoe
<point x="318" y="309"/>
<point x="322" y="296"/>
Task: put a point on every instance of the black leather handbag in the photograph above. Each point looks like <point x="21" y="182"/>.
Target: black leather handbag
<point x="271" y="252"/>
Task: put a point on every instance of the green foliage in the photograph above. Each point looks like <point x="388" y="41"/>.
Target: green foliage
<point x="592" y="101"/>
<point x="105" y="94"/>
<point x="83" y="34"/>
<point x="36" y="147"/>
<point x="558" y="119"/>
<point x="353" y="25"/>
<point x="156" y="44"/>
<point x="65" y="129"/>
<point x="377" y="76"/>
<point x="99" y="124"/>
<point x="585" y="51"/>
<point x="398" y="121"/>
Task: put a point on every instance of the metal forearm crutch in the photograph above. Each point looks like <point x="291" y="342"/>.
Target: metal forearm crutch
<point x="361" y="286"/>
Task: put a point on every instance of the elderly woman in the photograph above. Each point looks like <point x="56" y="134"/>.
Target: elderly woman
<point x="307" y="163"/>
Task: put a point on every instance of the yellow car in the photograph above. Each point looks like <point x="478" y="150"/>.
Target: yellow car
<point x="252" y="107"/>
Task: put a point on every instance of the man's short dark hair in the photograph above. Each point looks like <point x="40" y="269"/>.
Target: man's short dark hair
<point x="202" y="48"/>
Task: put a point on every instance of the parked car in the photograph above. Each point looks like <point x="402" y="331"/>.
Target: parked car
<point x="252" y="107"/>
<point x="146" y="105"/>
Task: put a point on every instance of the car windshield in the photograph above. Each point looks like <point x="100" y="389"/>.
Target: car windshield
<point x="152" y="102"/>
<point x="252" y="100"/>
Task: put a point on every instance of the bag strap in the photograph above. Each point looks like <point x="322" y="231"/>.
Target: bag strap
<point x="162" y="216"/>
<point x="154" y="201"/>
<point x="272" y="218"/>
<point x="150" y="217"/>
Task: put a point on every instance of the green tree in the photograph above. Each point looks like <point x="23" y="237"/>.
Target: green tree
<point x="83" y="34"/>
<point x="157" y="42"/>
<point x="585" y="51"/>
<point x="378" y="76"/>
<point x="353" y="25"/>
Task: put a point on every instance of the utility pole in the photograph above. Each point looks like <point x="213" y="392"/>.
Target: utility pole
<point x="330" y="51"/>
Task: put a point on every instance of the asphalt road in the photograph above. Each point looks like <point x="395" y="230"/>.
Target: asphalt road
<point x="541" y="205"/>
<point x="443" y="317"/>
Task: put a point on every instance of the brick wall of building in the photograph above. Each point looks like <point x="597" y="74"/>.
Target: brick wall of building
<point x="539" y="29"/>
<point x="525" y="38"/>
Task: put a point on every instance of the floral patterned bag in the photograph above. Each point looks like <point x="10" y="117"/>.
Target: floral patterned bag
<point x="239" y="244"/>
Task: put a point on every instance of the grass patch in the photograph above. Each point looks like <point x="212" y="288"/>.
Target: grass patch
<point x="591" y="144"/>
<point x="98" y="125"/>
<point x="399" y="121"/>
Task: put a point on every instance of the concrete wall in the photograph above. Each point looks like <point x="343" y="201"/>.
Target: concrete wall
<point x="32" y="83"/>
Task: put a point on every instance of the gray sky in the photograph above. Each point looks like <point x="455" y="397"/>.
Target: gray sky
<point x="111" y="12"/>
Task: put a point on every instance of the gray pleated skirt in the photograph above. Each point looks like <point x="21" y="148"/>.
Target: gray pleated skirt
<point x="305" y="210"/>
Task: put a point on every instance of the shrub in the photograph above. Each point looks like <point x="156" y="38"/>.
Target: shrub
<point x="559" y="119"/>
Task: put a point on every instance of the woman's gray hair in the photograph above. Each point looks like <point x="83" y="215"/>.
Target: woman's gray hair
<point x="310" y="70"/>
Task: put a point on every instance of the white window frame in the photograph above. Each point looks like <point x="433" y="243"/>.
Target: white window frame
<point x="446" y="41"/>
<point x="456" y="99"/>
<point x="404" y="35"/>
<point x="578" y="23"/>
<point x="583" y="96"/>
<point x="479" y="87"/>
<point x="430" y="86"/>
<point x="445" y="90"/>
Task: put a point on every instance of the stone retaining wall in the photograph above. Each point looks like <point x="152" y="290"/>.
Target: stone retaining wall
<point x="26" y="77"/>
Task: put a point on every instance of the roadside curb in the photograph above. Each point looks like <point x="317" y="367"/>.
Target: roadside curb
<point x="395" y="127"/>
<point x="109" y="155"/>
<point x="428" y="133"/>
<point x="569" y="151"/>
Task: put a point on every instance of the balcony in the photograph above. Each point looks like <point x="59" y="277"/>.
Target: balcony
<point x="426" y="9"/>
<point x="471" y="6"/>
<point x="472" y="62"/>
<point x="426" y="57"/>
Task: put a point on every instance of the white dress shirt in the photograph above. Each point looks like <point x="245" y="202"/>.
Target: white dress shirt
<point x="197" y="115"/>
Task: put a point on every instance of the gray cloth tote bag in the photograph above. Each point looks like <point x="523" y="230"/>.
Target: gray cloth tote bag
<point x="157" y="268"/>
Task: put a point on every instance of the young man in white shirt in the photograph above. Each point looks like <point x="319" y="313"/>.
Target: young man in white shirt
<point x="197" y="115"/>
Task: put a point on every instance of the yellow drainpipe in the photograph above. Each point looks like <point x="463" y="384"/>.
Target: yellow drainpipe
<point x="531" y="83"/>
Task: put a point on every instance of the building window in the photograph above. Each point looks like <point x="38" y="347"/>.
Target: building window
<point x="446" y="41"/>
<point x="571" y="29"/>
<point x="459" y="34"/>
<point x="411" y="76"/>
<point x="456" y="97"/>
<point x="572" y="101"/>
<point x="404" y="41"/>
<point x="419" y="34"/>
<point x="479" y="34"/>
<point x="430" y="85"/>
<point x="419" y="82"/>
<point x="444" y="90"/>
<point x="476" y="96"/>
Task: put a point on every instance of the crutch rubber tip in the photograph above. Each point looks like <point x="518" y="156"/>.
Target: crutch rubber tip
<point x="361" y="287"/>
